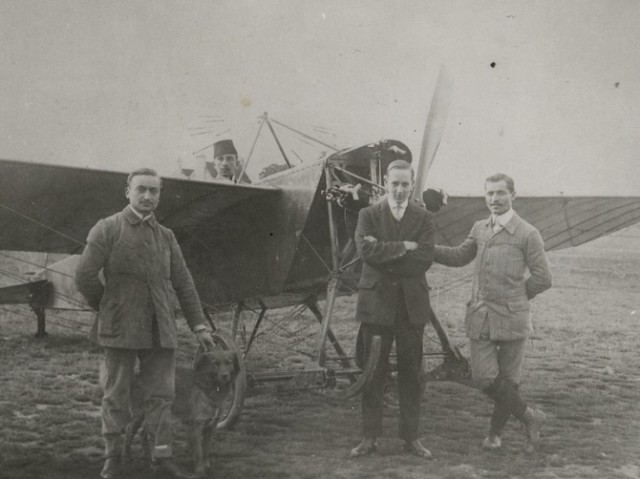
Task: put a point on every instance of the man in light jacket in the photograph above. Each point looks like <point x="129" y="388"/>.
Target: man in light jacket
<point x="142" y="265"/>
<point x="497" y="319"/>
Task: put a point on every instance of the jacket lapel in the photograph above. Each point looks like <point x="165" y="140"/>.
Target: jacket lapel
<point x="510" y="227"/>
<point x="512" y="224"/>
<point x="408" y="219"/>
<point x="388" y="221"/>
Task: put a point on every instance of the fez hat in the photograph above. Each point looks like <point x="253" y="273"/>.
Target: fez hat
<point x="224" y="147"/>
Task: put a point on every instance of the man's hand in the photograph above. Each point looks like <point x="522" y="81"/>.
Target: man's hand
<point x="410" y="245"/>
<point x="205" y="340"/>
<point x="371" y="239"/>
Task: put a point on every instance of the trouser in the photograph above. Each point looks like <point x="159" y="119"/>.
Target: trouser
<point x="157" y="372"/>
<point x="496" y="367"/>
<point x="408" y="339"/>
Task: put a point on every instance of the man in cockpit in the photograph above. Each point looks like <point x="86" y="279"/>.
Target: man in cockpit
<point x="225" y="161"/>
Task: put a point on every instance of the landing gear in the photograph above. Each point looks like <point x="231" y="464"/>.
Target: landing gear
<point x="35" y="294"/>
<point x="40" y="317"/>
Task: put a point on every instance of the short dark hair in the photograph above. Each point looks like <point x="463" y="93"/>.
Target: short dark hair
<point x="400" y="165"/>
<point x="142" y="172"/>
<point x="502" y="177"/>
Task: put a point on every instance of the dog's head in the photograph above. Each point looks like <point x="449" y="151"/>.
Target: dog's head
<point x="215" y="368"/>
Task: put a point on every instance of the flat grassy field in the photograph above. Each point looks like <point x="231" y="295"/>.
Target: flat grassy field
<point x="582" y="369"/>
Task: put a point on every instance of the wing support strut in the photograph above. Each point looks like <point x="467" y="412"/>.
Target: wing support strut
<point x="265" y="118"/>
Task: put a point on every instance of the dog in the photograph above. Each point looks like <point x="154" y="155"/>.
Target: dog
<point x="200" y="395"/>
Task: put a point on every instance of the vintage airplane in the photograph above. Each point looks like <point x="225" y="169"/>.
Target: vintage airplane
<point x="286" y="239"/>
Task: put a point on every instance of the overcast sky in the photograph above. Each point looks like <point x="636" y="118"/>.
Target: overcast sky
<point x="117" y="84"/>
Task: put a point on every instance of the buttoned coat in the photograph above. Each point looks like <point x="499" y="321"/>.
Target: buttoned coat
<point x="143" y="267"/>
<point x="501" y="290"/>
<point x="391" y="273"/>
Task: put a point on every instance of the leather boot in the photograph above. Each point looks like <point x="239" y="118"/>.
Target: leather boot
<point x="365" y="448"/>
<point x="417" y="449"/>
<point x="491" y="443"/>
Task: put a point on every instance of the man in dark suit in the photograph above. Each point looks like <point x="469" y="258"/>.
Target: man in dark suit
<point x="395" y="240"/>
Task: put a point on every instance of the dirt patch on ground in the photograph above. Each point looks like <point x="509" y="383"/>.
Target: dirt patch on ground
<point x="582" y="369"/>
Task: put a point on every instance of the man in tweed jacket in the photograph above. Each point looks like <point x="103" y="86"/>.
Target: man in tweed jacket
<point x="497" y="319"/>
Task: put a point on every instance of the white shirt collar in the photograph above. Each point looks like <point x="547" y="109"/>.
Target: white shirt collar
<point x="504" y="218"/>
<point x="139" y="215"/>
<point x="393" y="204"/>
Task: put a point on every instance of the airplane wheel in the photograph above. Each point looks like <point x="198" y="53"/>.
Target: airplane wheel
<point x="232" y="406"/>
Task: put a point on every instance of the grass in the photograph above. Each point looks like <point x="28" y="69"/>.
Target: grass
<point x="581" y="368"/>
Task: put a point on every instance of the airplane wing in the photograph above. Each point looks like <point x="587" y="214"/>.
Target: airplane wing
<point x="243" y="241"/>
<point x="52" y="208"/>
<point x="563" y="221"/>
<point x="223" y="228"/>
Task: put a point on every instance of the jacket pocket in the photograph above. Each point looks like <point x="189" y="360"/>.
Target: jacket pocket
<point x="110" y="320"/>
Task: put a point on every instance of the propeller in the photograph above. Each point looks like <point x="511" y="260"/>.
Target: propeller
<point x="433" y="129"/>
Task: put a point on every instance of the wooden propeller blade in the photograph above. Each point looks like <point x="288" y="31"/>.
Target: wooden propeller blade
<point x="433" y="130"/>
